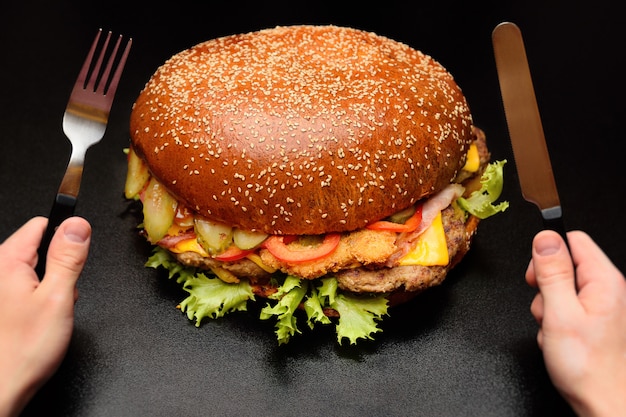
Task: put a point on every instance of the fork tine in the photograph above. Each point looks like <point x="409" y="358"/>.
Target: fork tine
<point x="82" y="76"/>
<point x="120" y="67"/>
<point x="91" y="83"/>
<point x="100" y="88"/>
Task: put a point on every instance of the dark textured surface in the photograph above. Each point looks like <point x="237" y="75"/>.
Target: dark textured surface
<point x="466" y="348"/>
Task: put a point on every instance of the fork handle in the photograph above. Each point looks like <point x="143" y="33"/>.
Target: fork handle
<point x="62" y="208"/>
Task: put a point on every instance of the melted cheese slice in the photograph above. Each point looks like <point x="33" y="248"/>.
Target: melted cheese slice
<point x="472" y="163"/>
<point x="189" y="245"/>
<point x="257" y="260"/>
<point x="431" y="247"/>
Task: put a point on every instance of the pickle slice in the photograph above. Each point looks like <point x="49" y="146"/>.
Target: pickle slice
<point x="159" y="209"/>
<point x="245" y="239"/>
<point x="137" y="175"/>
<point x="215" y="237"/>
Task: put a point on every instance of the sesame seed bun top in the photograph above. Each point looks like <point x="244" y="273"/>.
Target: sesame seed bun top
<point x="301" y="129"/>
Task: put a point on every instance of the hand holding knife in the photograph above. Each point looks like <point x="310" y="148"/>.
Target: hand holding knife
<point x="525" y="129"/>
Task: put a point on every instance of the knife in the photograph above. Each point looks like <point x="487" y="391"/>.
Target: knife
<point x="525" y="129"/>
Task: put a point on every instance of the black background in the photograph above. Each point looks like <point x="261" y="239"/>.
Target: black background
<point x="466" y="348"/>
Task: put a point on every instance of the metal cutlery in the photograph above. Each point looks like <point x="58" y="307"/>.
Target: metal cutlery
<point x="84" y="123"/>
<point x="525" y="128"/>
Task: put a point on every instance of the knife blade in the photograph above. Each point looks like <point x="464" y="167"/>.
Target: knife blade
<point x="530" y="151"/>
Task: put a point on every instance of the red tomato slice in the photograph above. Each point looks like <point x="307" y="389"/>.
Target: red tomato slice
<point x="409" y="226"/>
<point x="387" y="226"/>
<point x="233" y="253"/>
<point x="277" y="247"/>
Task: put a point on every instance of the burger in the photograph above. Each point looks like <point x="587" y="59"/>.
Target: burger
<point x="327" y="172"/>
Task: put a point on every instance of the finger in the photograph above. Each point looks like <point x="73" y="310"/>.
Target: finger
<point x="67" y="255"/>
<point x="592" y="264"/>
<point x="536" y="308"/>
<point x="554" y="271"/>
<point x="540" y="338"/>
<point x="531" y="278"/>
<point x="22" y="245"/>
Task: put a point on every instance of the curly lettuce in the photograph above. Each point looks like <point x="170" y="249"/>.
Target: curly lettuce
<point x="210" y="297"/>
<point x="289" y="296"/>
<point x="480" y="202"/>
<point x="358" y="315"/>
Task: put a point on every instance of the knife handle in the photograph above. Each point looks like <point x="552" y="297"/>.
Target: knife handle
<point x="553" y="220"/>
<point x="62" y="208"/>
<point x="556" y="224"/>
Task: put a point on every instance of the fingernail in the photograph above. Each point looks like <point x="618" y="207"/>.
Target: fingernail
<point x="547" y="245"/>
<point x="76" y="233"/>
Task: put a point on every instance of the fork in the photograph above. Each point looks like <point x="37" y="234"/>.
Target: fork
<point x="84" y="123"/>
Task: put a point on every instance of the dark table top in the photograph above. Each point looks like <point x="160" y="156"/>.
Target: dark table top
<point x="467" y="347"/>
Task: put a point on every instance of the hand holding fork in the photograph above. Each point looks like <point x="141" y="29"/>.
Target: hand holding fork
<point x="84" y="123"/>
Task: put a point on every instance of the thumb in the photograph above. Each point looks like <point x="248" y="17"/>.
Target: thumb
<point x="554" y="270"/>
<point x="67" y="254"/>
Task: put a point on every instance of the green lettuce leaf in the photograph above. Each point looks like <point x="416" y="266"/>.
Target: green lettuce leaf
<point x="358" y="316"/>
<point x="213" y="298"/>
<point x="162" y="258"/>
<point x="314" y="308"/>
<point x="289" y="296"/>
<point x="480" y="202"/>
<point x="328" y="291"/>
<point x="208" y="296"/>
